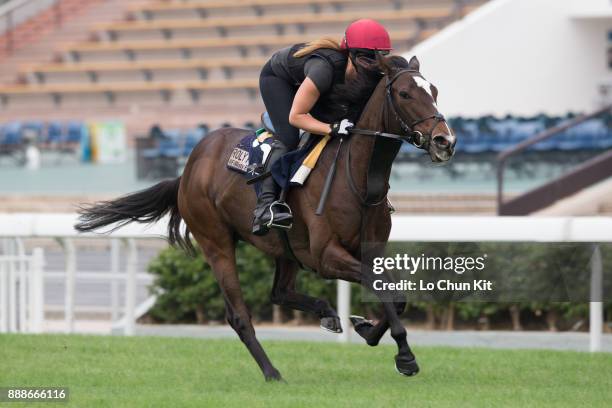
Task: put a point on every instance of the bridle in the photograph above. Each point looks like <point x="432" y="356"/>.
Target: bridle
<point x="412" y="136"/>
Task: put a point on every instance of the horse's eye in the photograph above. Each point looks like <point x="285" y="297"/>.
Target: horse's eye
<point x="404" y="95"/>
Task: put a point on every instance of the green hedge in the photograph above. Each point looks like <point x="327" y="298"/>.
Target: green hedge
<point x="188" y="292"/>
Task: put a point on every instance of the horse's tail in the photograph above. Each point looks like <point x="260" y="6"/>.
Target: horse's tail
<point x="145" y="206"/>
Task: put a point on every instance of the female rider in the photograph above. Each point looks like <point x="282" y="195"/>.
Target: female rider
<point x="303" y="85"/>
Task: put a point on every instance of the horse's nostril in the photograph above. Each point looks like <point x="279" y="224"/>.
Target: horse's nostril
<point x="441" y="141"/>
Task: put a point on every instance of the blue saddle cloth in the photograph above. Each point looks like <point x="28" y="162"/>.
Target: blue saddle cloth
<point x="248" y="157"/>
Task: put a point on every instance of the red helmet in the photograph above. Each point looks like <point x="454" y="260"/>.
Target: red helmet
<point x="366" y="34"/>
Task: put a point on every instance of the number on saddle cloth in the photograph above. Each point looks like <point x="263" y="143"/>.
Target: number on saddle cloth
<point x="251" y="153"/>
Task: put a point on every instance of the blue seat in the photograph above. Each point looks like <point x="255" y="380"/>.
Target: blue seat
<point x="474" y="144"/>
<point x="545" y="145"/>
<point x="11" y="134"/>
<point x="192" y="138"/>
<point x="574" y="138"/>
<point x="408" y="148"/>
<point x="502" y="142"/>
<point x="55" y="132"/>
<point x="169" y="148"/>
<point x="76" y="132"/>
<point x="151" y="153"/>
<point x="35" y="127"/>
<point x="602" y="142"/>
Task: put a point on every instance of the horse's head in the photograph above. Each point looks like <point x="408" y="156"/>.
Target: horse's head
<point x="412" y="106"/>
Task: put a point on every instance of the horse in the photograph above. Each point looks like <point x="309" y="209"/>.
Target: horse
<point x="216" y="206"/>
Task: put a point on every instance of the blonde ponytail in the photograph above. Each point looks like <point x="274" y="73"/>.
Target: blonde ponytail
<point x="325" y="42"/>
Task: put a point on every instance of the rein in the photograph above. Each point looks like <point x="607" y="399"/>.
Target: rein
<point x="414" y="137"/>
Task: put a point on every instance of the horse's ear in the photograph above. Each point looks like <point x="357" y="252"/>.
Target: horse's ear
<point x="414" y="64"/>
<point x="385" y="64"/>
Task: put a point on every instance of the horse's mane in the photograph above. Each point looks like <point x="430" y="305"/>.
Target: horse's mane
<point x="350" y="98"/>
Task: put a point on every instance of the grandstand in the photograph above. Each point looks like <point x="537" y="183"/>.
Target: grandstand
<point x="191" y="61"/>
<point x="193" y="65"/>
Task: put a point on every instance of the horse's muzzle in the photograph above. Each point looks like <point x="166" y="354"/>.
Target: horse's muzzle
<point x="442" y="147"/>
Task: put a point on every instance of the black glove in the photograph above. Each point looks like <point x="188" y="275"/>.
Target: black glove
<point x="341" y="128"/>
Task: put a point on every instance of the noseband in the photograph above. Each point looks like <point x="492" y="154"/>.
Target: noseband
<point x="414" y="137"/>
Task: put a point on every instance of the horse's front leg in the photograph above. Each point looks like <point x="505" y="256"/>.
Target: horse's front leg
<point x="284" y="294"/>
<point x="337" y="263"/>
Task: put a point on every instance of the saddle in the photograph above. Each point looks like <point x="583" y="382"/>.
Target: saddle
<point x="250" y="155"/>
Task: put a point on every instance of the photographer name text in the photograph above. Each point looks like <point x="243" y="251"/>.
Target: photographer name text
<point x="441" y="285"/>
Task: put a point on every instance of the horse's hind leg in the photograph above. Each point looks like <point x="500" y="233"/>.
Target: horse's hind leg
<point x="220" y="253"/>
<point x="284" y="294"/>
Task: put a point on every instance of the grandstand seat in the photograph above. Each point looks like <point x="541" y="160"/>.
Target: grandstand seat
<point x="603" y="141"/>
<point x="76" y="132"/>
<point x="226" y="23"/>
<point x="545" y="145"/>
<point x="197" y="5"/>
<point x="40" y="72"/>
<point x="569" y="141"/>
<point x="502" y="142"/>
<point x="192" y="138"/>
<point x="120" y="87"/>
<point x="473" y="144"/>
<point x="242" y="44"/>
<point x="408" y="148"/>
<point x="11" y="134"/>
<point x="34" y="129"/>
<point x="55" y="132"/>
<point x="170" y="147"/>
<point x="185" y="55"/>
<point x="152" y="10"/>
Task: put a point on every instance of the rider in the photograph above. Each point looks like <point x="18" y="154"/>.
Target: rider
<point x="303" y="85"/>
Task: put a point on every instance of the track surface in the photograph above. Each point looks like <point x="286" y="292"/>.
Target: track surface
<point x="461" y="338"/>
<point x="153" y="371"/>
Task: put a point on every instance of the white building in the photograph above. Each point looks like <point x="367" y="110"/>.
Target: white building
<point x="523" y="57"/>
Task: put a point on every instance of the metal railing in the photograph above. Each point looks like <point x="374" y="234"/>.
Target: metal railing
<point x="588" y="173"/>
<point x="15" y="12"/>
<point x="21" y="289"/>
<point x="405" y="229"/>
<point x="16" y="271"/>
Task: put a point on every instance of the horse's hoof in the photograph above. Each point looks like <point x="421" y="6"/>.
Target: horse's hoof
<point x="406" y="365"/>
<point x="360" y="321"/>
<point x="274" y="376"/>
<point x="363" y="328"/>
<point x="331" y="324"/>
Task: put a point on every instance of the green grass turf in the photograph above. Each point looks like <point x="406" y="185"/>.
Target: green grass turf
<point x="173" y="372"/>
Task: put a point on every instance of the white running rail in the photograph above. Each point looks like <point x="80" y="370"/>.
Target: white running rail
<point x="405" y="228"/>
<point x="21" y="289"/>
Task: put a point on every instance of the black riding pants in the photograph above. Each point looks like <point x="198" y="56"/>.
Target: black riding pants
<point x="277" y="94"/>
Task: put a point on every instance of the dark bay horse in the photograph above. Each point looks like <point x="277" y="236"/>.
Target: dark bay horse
<point x="216" y="205"/>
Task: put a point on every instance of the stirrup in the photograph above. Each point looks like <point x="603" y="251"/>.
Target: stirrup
<point x="286" y="208"/>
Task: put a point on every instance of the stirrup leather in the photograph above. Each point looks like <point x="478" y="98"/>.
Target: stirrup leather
<point x="286" y="208"/>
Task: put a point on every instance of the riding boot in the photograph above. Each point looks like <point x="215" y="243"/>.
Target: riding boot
<point x="269" y="212"/>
